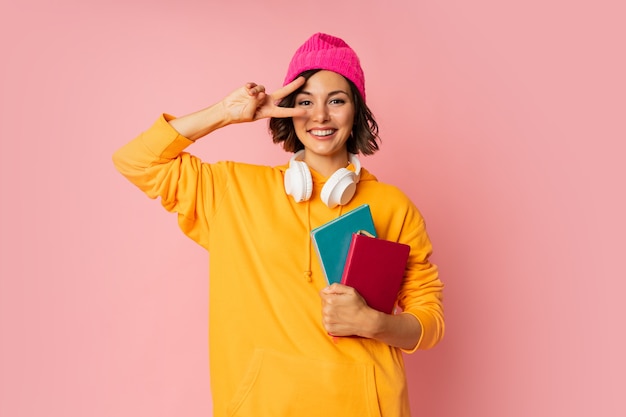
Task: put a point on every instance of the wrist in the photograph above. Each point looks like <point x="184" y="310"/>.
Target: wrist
<point x="224" y="115"/>
<point x="374" y="324"/>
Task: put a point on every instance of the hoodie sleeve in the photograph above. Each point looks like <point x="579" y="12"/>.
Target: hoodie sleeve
<point x="155" y="162"/>
<point x="421" y="292"/>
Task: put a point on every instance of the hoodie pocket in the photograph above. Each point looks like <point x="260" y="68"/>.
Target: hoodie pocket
<point x="279" y="385"/>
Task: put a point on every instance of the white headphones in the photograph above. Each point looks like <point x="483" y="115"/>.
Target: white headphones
<point x="338" y="190"/>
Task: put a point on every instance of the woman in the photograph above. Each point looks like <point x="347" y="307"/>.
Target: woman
<point x="271" y="352"/>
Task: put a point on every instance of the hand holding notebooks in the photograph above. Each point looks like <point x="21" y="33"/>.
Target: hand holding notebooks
<point x="332" y="240"/>
<point x="375" y="268"/>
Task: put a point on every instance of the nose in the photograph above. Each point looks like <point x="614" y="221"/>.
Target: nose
<point x="320" y="113"/>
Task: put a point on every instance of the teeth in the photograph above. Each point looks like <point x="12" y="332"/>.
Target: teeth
<point x="322" y="132"/>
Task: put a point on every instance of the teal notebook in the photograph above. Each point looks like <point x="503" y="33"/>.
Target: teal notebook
<point x="332" y="240"/>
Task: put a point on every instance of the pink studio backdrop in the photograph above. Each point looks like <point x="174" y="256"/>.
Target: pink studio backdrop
<point x="503" y="120"/>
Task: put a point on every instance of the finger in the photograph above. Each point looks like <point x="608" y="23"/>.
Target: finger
<point x="282" y="112"/>
<point x="289" y="88"/>
<point x="339" y="288"/>
<point x="254" y="89"/>
<point x="328" y="290"/>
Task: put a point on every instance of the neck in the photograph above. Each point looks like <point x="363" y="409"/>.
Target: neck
<point x="327" y="165"/>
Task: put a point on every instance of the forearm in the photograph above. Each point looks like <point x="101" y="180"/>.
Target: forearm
<point x="198" y="124"/>
<point x="399" y="330"/>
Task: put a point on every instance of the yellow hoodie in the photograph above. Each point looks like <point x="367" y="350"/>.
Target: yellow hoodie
<point x="270" y="355"/>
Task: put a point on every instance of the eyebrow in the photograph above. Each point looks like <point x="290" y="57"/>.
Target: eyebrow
<point x="332" y="93"/>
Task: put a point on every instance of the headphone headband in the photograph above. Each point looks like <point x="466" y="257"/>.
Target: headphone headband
<point x="338" y="190"/>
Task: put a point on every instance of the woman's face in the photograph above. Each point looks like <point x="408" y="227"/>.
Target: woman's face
<point x="327" y="124"/>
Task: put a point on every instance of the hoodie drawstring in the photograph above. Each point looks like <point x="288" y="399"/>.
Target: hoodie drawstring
<point x="307" y="271"/>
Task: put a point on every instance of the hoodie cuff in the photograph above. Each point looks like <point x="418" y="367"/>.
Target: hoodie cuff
<point x="431" y="333"/>
<point x="163" y="140"/>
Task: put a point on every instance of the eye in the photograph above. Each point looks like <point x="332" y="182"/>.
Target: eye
<point x="304" y="103"/>
<point x="337" y="101"/>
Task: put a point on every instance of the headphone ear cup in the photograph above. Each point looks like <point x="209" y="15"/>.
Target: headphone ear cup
<point x="339" y="188"/>
<point x="298" y="181"/>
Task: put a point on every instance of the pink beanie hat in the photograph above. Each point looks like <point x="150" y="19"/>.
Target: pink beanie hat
<point x="322" y="51"/>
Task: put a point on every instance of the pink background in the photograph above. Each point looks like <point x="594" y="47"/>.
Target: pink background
<point x="503" y="120"/>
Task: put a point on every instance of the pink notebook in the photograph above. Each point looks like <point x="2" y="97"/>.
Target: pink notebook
<point x="375" y="268"/>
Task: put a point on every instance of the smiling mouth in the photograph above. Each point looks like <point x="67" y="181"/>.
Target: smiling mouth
<point x="325" y="132"/>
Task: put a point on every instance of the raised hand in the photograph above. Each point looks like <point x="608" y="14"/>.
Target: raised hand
<point x="251" y="102"/>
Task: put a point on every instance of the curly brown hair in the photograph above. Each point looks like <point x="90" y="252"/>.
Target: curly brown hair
<point x="363" y="139"/>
